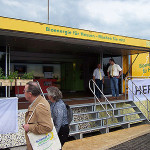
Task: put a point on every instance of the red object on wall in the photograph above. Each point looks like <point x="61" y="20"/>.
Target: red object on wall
<point x="44" y="83"/>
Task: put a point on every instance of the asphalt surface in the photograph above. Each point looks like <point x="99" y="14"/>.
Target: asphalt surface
<point x="139" y="143"/>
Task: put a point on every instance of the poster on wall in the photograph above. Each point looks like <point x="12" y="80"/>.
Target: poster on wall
<point x="139" y="87"/>
<point x="48" y="75"/>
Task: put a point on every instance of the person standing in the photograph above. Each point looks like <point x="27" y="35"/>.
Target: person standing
<point x="98" y="77"/>
<point x="40" y="122"/>
<point x="114" y="72"/>
<point x="59" y="113"/>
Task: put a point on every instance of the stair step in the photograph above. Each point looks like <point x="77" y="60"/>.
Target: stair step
<point x="131" y="121"/>
<point x="120" y="108"/>
<point x="104" y="118"/>
<point x="90" y="112"/>
<point x="117" y="101"/>
<point x="82" y="105"/>
<point x="85" y="121"/>
<point x="104" y="127"/>
<point x="122" y="115"/>
<point x="86" y="130"/>
<point x="84" y="113"/>
<point x="92" y="104"/>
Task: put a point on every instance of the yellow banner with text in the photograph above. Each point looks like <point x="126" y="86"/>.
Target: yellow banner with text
<point x="46" y="29"/>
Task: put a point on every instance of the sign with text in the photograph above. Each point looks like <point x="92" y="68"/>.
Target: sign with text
<point x="60" y="31"/>
<point x="139" y="87"/>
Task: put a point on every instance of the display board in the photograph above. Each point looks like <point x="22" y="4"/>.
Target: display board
<point x="139" y="87"/>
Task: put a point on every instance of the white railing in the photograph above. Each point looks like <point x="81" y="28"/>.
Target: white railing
<point x="92" y="82"/>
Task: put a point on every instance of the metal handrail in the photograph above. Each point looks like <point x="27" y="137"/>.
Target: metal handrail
<point x="106" y="100"/>
<point x="140" y="91"/>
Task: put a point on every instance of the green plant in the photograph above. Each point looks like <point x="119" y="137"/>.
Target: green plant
<point x="13" y="75"/>
<point x="27" y="76"/>
<point x="1" y="74"/>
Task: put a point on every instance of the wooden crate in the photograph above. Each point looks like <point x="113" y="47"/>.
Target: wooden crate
<point x="7" y="82"/>
<point x="22" y="82"/>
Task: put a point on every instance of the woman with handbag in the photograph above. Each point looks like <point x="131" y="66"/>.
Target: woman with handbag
<point x="59" y="113"/>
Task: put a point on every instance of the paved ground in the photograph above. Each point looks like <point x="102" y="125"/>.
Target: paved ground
<point x="16" y="148"/>
<point x="19" y="148"/>
<point x="125" y="139"/>
<point x="139" y="143"/>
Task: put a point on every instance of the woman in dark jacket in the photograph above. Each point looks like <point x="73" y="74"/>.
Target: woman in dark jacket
<point x="59" y="113"/>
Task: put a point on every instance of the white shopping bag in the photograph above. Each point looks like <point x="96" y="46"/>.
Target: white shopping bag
<point x="49" y="141"/>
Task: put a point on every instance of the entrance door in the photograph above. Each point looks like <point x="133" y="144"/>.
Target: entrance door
<point x="106" y="86"/>
<point x="72" y="77"/>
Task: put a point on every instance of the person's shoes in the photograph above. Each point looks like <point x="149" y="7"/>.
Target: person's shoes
<point x="112" y="98"/>
<point x="117" y="98"/>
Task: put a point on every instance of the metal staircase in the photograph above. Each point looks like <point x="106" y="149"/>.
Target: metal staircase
<point x="86" y="119"/>
<point x="101" y="116"/>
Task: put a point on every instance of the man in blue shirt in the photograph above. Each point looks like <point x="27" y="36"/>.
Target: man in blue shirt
<point x="98" y="77"/>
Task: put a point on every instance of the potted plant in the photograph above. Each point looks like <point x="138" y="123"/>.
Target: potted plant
<point x="24" y="79"/>
<point x="8" y="81"/>
<point x="12" y="79"/>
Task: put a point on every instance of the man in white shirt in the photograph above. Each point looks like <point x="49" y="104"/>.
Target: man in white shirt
<point x="98" y="77"/>
<point x="114" y="72"/>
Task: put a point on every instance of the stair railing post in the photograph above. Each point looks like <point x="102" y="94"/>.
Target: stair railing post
<point x="148" y="109"/>
<point x="132" y="91"/>
<point x="106" y="116"/>
<point x="125" y="88"/>
<point x="94" y="96"/>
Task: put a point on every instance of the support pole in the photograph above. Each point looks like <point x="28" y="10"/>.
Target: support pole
<point x="48" y="11"/>
<point x="94" y="97"/>
<point x="9" y="61"/>
<point x="9" y="70"/>
<point x="101" y="61"/>
<point x="131" y="66"/>
<point x="6" y="70"/>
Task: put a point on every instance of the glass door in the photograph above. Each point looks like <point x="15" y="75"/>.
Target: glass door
<point x="106" y="86"/>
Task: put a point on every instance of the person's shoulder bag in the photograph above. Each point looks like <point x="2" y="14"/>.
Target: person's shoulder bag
<point x="49" y="141"/>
